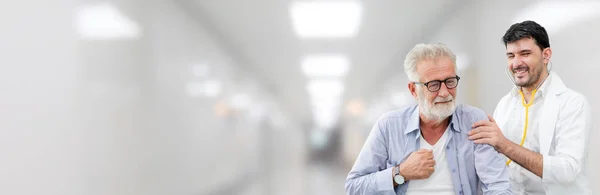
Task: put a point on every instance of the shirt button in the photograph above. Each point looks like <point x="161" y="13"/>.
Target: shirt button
<point x="447" y="147"/>
<point x="453" y="170"/>
<point x="460" y="192"/>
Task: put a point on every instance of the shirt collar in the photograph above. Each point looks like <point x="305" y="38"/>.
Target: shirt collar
<point x="541" y="91"/>
<point x="414" y="120"/>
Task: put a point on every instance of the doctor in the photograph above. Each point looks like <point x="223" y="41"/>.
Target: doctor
<point x="546" y="124"/>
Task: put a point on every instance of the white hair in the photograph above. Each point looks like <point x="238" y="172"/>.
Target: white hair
<point x="425" y="52"/>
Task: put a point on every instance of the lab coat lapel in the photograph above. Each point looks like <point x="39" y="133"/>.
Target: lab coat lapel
<point x="549" y="114"/>
<point x="548" y="122"/>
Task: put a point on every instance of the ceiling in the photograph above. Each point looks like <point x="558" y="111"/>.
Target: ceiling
<point x="259" y="36"/>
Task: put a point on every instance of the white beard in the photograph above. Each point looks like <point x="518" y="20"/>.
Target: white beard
<point x="437" y="112"/>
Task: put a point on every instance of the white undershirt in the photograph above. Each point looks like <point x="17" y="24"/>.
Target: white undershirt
<point x="440" y="182"/>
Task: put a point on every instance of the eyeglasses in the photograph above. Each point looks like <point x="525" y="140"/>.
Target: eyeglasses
<point x="435" y="85"/>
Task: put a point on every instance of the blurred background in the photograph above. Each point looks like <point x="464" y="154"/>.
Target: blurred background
<point x="244" y="97"/>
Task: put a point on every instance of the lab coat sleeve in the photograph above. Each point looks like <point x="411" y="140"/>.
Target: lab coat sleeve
<point x="370" y="174"/>
<point x="570" y="142"/>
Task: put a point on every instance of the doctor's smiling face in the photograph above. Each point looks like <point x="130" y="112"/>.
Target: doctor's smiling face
<point x="528" y="53"/>
<point x="526" y="61"/>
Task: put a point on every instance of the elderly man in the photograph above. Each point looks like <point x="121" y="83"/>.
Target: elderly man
<point x="546" y="124"/>
<point x="424" y="148"/>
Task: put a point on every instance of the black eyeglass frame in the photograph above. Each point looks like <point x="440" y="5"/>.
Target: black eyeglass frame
<point x="439" y="82"/>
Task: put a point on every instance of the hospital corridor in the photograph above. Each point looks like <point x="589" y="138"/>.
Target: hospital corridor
<point x="243" y="97"/>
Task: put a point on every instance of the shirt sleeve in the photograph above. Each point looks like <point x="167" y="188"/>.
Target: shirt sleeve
<point x="491" y="168"/>
<point x="370" y="175"/>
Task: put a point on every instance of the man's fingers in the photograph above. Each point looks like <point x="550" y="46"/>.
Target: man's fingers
<point x="491" y="119"/>
<point x="428" y="155"/>
<point x="431" y="163"/>
<point x="483" y="141"/>
<point x="481" y="129"/>
<point x="480" y="123"/>
<point x="421" y="151"/>
<point x="425" y="151"/>
<point x="479" y="135"/>
<point x="488" y="122"/>
<point x="417" y="152"/>
<point x="476" y="131"/>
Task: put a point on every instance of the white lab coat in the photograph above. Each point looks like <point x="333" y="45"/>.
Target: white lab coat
<point x="564" y="131"/>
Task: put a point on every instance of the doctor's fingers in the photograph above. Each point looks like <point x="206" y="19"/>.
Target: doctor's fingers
<point x="483" y="141"/>
<point x="480" y="129"/>
<point x="480" y="135"/>
<point x="491" y="130"/>
<point x="481" y="123"/>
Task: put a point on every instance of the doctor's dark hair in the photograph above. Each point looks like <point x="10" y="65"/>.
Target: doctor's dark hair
<point x="527" y="29"/>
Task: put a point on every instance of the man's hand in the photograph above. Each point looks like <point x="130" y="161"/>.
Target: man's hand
<point x="488" y="132"/>
<point x="419" y="165"/>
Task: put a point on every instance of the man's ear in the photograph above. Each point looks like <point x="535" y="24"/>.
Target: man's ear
<point x="547" y="53"/>
<point x="412" y="88"/>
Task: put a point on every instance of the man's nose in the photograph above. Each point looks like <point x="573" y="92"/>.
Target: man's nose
<point x="515" y="62"/>
<point x="443" y="92"/>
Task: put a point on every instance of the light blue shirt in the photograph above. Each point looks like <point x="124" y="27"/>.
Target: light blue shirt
<point x="475" y="168"/>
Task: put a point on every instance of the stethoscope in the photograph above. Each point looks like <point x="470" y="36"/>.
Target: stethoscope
<point x="527" y="105"/>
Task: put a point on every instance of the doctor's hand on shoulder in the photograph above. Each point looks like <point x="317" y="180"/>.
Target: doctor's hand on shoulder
<point x="488" y="132"/>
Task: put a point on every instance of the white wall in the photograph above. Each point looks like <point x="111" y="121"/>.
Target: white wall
<point x="115" y="116"/>
<point x="40" y="136"/>
<point x="191" y="149"/>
